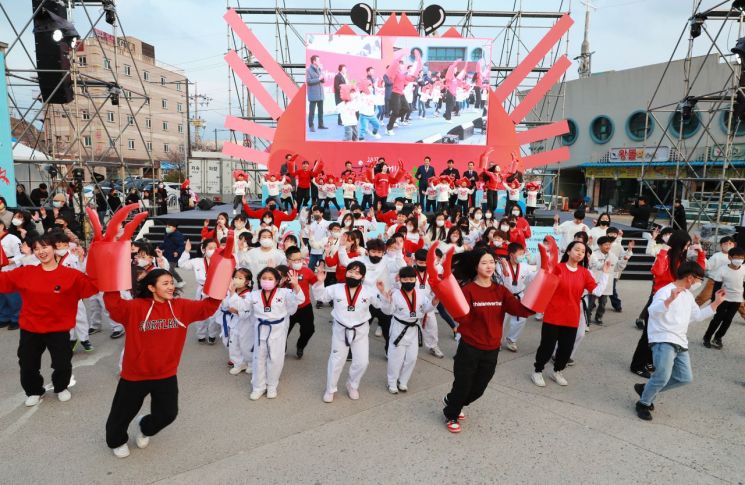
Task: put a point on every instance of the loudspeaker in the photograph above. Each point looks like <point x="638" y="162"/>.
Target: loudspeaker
<point x="51" y="55"/>
<point x="205" y="204"/>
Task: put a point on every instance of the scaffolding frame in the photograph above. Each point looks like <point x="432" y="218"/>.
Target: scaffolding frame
<point x="730" y="179"/>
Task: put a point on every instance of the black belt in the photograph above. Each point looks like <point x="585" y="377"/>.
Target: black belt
<point x="350" y="329"/>
<point x="407" y="325"/>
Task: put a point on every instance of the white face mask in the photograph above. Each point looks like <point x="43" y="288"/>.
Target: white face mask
<point x="143" y="263"/>
<point x="170" y="229"/>
<point x="665" y="238"/>
<point x="399" y="208"/>
<point x="516" y="213"/>
<point x="209" y="252"/>
<point x="498" y="244"/>
<point x="335" y="234"/>
<point x="737" y="262"/>
<point x="440" y="223"/>
<point x="695" y="286"/>
<point x="266" y="243"/>
<point x="60" y="252"/>
<point x="477" y="217"/>
<point x="504" y="228"/>
<point x="267" y="221"/>
<point x="297" y="266"/>
<point x="17" y="222"/>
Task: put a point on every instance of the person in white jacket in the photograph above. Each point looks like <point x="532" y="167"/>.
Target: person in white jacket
<point x="597" y="263"/>
<point x="515" y="274"/>
<point x="672" y="310"/>
<point x="265" y="256"/>
<point x="207" y="330"/>
<point x="235" y="316"/>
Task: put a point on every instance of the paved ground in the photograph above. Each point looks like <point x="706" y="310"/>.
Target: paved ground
<point x="516" y="433"/>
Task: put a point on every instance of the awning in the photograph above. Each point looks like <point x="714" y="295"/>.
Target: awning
<point x="697" y="163"/>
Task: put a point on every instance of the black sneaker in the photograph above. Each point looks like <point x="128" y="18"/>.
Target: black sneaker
<point x="707" y="344"/>
<point x="598" y="321"/>
<point x="202" y="340"/>
<point x="299" y="353"/>
<point x="717" y="343"/>
<point x="618" y="310"/>
<point x="4" y="324"/>
<point x="570" y="362"/>
<point x="323" y="127"/>
<point x="86" y="344"/>
<point x="117" y="334"/>
<point x="13" y="326"/>
<point x="639" y="388"/>
<point x="643" y="411"/>
<point x="319" y="305"/>
<point x="640" y="324"/>
<point x="93" y="331"/>
<point x="642" y="373"/>
<point x="211" y="340"/>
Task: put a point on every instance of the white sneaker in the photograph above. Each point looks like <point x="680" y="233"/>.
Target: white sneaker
<point x="122" y="451"/>
<point x="377" y="136"/>
<point x="328" y="397"/>
<point x="354" y="394"/>
<point x="255" y="395"/>
<point x="436" y="352"/>
<point x="378" y="331"/>
<point x="537" y="378"/>
<point x="271" y="393"/>
<point x="64" y="396"/>
<point x="395" y="124"/>
<point x="249" y="369"/>
<point x="32" y="401"/>
<point x="235" y="212"/>
<point x="141" y="440"/>
<point x="390" y="132"/>
<point x="237" y="369"/>
<point x="393" y="390"/>
<point x="558" y="377"/>
<point x="403" y="387"/>
<point x="538" y="316"/>
<point x="511" y="346"/>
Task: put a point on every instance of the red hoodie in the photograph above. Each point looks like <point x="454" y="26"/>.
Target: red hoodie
<point x="154" y="342"/>
<point x="661" y="269"/>
<point x="50" y="298"/>
<point x="279" y="216"/>
<point x="303" y="176"/>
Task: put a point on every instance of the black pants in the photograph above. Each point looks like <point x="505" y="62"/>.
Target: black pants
<point x="127" y="403"/>
<point x="600" y="302"/>
<point x="384" y="321"/>
<point x="348" y="203"/>
<point x="449" y="105"/>
<point x="643" y="354"/>
<point x="312" y="112"/>
<point x="30" y="349"/>
<point x="722" y="320"/>
<point x="615" y="300"/>
<point x="472" y="371"/>
<point x="286" y="203"/>
<point x="305" y="318"/>
<point x="550" y="336"/>
<point x="176" y="275"/>
<point x="238" y="202"/>
<point x="328" y="201"/>
<point x="303" y="197"/>
<point x="367" y="201"/>
<point x="492" y="199"/>
<point x="399" y="108"/>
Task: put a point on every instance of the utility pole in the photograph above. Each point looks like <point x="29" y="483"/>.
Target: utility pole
<point x="585" y="57"/>
<point x="196" y="121"/>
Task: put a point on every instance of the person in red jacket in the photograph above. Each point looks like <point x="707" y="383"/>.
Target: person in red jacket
<point x="303" y="177"/>
<point x="156" y="323"/>
<point x="50" y="293"/>
<point x="271" y="206"/>
<point x="304" y="314"/>
<point x="221" y="228"/>
<point x="480" y="331"/>
<point x="399" y="75"/>
<point x="664" y="272"/>
<point x="383" y="181"/>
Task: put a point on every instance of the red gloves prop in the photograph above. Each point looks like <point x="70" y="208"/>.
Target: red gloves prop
<point x="446" y="288"/>
<point x="110" y="258"/>
<point x="542" y="288"/>
<point x="220" y="271"/>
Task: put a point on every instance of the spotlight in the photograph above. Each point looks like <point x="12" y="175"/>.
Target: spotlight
<point x="739" y="47"/>
<point x="110" y="11"/>
<point x="686" y="108"/>
<point x="114" y="92"/>
<point x="738" y="5"/>
<point x="696" y="22"/>
<point x="57" y="35"/>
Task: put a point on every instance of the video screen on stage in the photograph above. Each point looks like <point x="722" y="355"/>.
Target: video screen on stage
<point x="397" y="89"/>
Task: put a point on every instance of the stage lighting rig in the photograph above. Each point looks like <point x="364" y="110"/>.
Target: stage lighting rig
<point x="696" y="22"/>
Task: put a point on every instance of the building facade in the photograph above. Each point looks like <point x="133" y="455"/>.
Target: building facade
<point x="147" y="126"/>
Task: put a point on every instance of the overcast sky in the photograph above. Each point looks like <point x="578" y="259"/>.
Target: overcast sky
<point x="191" y="34"/>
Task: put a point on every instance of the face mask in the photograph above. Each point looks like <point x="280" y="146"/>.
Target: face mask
<point x="665" y="238"/>
<point x="409" y="229"/>
<point x="737" y="263"/>
<point x="487" y="216"/>
<point x="17" y="222"/>
<point x="317" y="217"/>
<point x="209" y="252"/>
<point x="297" y="266"/>
<point x="266" y="243"/>
<point x="612" y="238"/>
<point x="440" y="223"/>
<point x="60" y="252"/>
<point x="498" y="244"/>
<point x="516" y="213"/>
<point x="239" y="225"/>
<point x="335" y="234"/>
<point x="375" y="259"/>
<point x="170" y="230"/>
<point x="348" y="224"/>
<point x="504" y="228"/>
<point x="407" y="286"/>
<point x="399" y="208"/>
<point x="57" y="204"/>
<point x="353" y="282"/>
<point x="421" y="267"/>
<point x="271" y="207"/>
<point x="522" y="259"/>
<point x="356" y="215"/>
<point x="477" y="217"/>
<point x="143" y="263"/>
<point x="267" y="221"/>
<point x="60" y="226"/>
<point x="239" y="283"/>
<point x="695" y="286"/>
<point x="268" y="285"/>
<point x="603" y="223"/>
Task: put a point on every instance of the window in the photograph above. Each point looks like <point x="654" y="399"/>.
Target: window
<point x="146" y="75"/>
<point x="106" y="63"/>
<point x="164" y="103"/>
<point x="148" y="123"/>
<point x="131" y="144"/>
<point x="477" y="54"/>
<point x="127" y="70"/>
<point x="149" y="146"/>
<point x="738" y="128"/>
<point x="128" y="94"/>
<point x="87" y="141"/>
<point x="162" y="81"/>
<point x="636" y="125"/>
<point x="85" y="115"/>
<point x="130" y="120"/>
<point x="181" y="148"/>
<point x="165" y="126"/>
<point x="147" y="101"/>
<point x="110" y="116"/>
<point x="568" y="139"/>
<point x="82" y="61"/>
<point x="180" y="107"/>
<point x="178" y="86"/>
<point x="690" y="125"/>
<point x="448" y="54"/>
<point x="180" y="128"/>
<point x="601" y="130"/>
<point x="166" y="147"/>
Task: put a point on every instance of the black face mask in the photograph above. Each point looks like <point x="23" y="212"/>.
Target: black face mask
<point x="612" y="238"/>
<point x="352" y="282"/>
<point x="375" y="259"/>
<point x="271" y="207"/>
<point x="60" y="226"/>
<point x="407" y="286"/>
<point x="356" y="215"/>
<point x="603" y="223"/>
<point x="421" y="268"/>
<point x="317" y="217"/>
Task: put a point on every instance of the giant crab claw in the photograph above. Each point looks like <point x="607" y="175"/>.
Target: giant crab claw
<point x="540" y="291"/>
<point x="220" y="271"/>
<point x="446" y="288"/>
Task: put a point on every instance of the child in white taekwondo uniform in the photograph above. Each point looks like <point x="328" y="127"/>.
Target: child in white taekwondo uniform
<point x="351" y="314"/>
<point x="207" y="330"/>
<point x="430" y="335"/>
<point x="271" y="307"/>
<point x="408" y="306"/>
<point x="237" y="327"/>
<point x="515" y="274"/>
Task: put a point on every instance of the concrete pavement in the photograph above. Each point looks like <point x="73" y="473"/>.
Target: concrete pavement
<point x="518" y="433"/>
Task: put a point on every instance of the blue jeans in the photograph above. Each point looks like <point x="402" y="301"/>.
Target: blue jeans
<point x="364" y="120"/>
<point x="446" y="316"/>
<point x="10" y="306"/>
<point x="672" y="368"/>
<point x="314" y="260"/>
